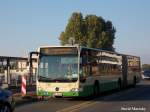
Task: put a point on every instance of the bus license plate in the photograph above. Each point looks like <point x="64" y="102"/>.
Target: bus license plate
<point x="57" y="94"/>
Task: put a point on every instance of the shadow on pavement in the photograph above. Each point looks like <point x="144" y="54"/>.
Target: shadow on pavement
<point x="140" y="92"/>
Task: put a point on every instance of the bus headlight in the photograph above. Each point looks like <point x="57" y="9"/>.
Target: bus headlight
<point x="76" y="89"/>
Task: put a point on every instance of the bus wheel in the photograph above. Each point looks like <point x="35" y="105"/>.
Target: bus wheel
<point x="134" y="81"/>
<point x="96" y="89"/>
<point x="119" y="84"/>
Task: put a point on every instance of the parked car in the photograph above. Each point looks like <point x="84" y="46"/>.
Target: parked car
<point x="146" y="74"/>
<point x="6" y="100"/>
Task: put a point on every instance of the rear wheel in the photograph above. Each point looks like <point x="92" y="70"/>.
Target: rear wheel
<point x="96" y="89"/>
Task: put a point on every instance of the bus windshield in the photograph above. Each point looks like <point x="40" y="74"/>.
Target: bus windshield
<point x="58" y="68"/>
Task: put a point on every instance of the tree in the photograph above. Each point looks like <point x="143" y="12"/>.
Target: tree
<point x="74" y="29"/>
<point x="91" y="31"/>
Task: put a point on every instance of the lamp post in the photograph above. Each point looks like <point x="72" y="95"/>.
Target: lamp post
<point x="71" y="41"/>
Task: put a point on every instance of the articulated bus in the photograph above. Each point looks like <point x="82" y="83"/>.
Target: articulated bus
<point x="76" y="71"/>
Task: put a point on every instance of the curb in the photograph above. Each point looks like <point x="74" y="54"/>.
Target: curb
<point x="28" y="94"/>
<point x="23" y="101"/>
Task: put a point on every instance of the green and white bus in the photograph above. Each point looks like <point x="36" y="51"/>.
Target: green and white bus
<point x="76" y="71"/>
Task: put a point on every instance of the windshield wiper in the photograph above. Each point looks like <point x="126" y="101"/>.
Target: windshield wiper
<point x="59" y="79"/>
<point x="42" y="78"/>
<point x="64" y="80"/>
<point x="47" y="79"/>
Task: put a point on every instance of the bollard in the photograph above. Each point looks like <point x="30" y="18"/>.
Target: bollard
<point x="23" y="86"/>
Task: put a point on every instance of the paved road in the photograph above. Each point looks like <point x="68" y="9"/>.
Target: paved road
<point x="130" y="100"/>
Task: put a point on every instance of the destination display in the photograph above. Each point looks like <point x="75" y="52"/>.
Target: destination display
<point x="58" y="50"/>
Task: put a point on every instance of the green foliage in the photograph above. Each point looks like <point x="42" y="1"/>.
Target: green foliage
<point x="91" y="31"/>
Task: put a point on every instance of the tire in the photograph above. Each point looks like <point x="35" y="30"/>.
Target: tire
<point x="96" y="89"/>
<point x="5" y="108"/>
<point x="134" y="81"/>
<point x="119" y="85"/>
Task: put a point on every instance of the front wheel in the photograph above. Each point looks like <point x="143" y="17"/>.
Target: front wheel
<point x="119" y="84"/>
<point x="134" y="81"/>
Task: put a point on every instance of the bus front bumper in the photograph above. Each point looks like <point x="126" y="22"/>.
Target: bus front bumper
<point x="59" y="94"/>
<point x="80" y="92"/>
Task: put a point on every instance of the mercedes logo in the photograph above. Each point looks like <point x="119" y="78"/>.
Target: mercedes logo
<point x="57" y="88"/>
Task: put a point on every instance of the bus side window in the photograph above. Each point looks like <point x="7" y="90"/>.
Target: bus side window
<point x="83" y="67"/>
<point x="84" y="72"/>
<point x="94" y="70"/>
<point x="103" y="69"/>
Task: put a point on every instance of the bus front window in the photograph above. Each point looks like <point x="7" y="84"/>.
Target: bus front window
<point x="58" y="68"/>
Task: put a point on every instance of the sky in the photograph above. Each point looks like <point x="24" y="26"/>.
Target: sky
<point x="27" y="24"/>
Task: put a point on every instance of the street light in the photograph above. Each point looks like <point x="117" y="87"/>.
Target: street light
<point x="71" y="41"/>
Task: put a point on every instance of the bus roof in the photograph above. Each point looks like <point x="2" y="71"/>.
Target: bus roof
<point x="77" y="46"/>
<point x="96" y="49"/>
<point x="83" y="47"/>
<point x="56" y="46"/>
<point x="130" y="55"/>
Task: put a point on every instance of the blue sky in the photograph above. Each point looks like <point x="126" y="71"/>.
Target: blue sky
<point x="27" y="24"/>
